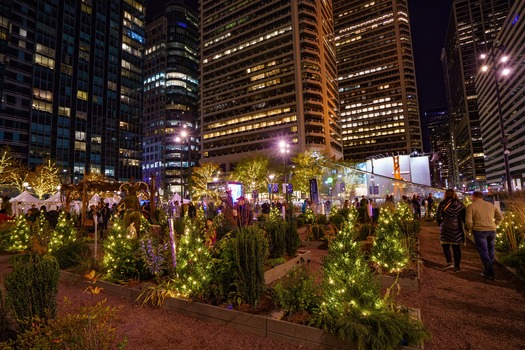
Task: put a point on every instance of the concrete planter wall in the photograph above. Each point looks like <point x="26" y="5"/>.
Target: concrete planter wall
<point x="309" y="337"/>
<point x="404" y="283"/>
<point x="281" y="270"/>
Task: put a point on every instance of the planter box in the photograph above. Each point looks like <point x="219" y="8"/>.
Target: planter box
<point x="309" y="337"/>
<point x="281" y="270"/>
<point x="405" y="283"/>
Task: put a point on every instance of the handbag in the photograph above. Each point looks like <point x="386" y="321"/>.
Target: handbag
<point x="89" y="223"/>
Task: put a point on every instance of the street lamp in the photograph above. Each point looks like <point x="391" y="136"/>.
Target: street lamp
<point x="504" y="71"/>
<point x="284" y="148"/>
<point x="180" y="139"/>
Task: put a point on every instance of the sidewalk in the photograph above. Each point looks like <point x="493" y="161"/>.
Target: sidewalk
<point x="462" y="310"/>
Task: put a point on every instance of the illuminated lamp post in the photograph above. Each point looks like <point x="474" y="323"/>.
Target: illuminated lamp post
<point x="284" y="149"/>
<point x="180" y="139"/>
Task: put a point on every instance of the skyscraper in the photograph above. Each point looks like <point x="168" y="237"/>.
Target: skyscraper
<point x="438" y="122"/>
<point x="502" y="103"/>
<point x="376" y="76"/>
<point x="171" y="97"/>
<point x="72" y="89"/>
<point x="267" y="72"/>
<point x="472" y="29"/>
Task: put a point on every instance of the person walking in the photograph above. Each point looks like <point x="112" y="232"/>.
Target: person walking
<point x="450" y="217"/>
<point x="429" y="206"/>
<point x="482" y="218"/>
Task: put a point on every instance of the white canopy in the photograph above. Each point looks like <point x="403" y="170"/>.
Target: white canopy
<point x="23" y="202"/>
<point x="175" y="198"/>
<point x="26" y="197"/>
<point x="56" y="198"/>
<point x="94" y="200"/>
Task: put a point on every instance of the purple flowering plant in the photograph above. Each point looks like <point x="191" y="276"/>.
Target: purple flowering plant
<point x="154" y="255"/>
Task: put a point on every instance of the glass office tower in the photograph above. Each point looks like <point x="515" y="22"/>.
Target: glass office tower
<point x="171" y="135"/>
<point x="72" y="84"/>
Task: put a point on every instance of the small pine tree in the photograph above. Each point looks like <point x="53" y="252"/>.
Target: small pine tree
<point x="32" y="288"/>
<point x="20" y="235"/>
<point x="64" y="233"/>
<point x="351" y="305"/>
<point x="389" y="250"/>
<point x="275" y="228"/>
<point x="122" y="259"/>
<point x="194" y="261"/>
<point x="251" y="253"/>
<point x="41" y="233"/>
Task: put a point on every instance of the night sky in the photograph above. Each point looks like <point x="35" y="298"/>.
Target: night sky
<point x="428" y="20"/>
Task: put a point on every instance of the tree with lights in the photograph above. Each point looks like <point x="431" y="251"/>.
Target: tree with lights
<point x="352" y="307"/>
<point x="194" y="261"/>
<point x="18" y="175"/>
<point x="20" y="235"/>
<point x="122" y="259"/>
<point x="308" y="165"/>
<point x="6" y="162"/>
<point x="64" y="233"/>
<point x="252" y="172"/>
<point x="390" y="250"/>
<point x="41" y="233"/>
<point x="44" y="179"/>
<point x="200" y="177"/>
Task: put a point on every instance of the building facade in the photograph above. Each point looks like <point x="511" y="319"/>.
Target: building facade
<point x="473" y="26"/>
<point x="268" y="72"/>
<point x="171" y="135"/>
<point x="376" y="76"/>
<point x="72" y="84"/>
<point x="438" y="123"/>
<point x="502" y="103"/>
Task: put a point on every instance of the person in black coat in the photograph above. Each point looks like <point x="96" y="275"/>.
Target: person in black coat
<point x="451" y="218"/>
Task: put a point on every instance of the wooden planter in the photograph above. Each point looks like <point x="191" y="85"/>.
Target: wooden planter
<point x="404" y="283"/>
<point x="281" y="270"/>
<point x="309" y="337"/>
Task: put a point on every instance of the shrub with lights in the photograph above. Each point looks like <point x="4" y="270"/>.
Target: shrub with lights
<point x="122" y="260"/>
<point x="41" y="233"/>
<point x="391" y="248"/>
<point x="194" y="261"/>
<point x="351" y="306"/>
<point x="510" y="237"/>
<point x="64" y="233"/>
<point x="18" y="237"/>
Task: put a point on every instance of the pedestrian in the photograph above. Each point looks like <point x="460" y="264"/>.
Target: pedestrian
<point x="482" y="218"/>
<point x="450" y="217"/>
<point x="416" y="206"/>
<point x="429" y="206"/>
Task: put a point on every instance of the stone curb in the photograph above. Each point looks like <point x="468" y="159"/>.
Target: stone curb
<point x="309" y="337"/>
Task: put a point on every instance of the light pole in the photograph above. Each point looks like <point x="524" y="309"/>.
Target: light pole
<point x="504" y="71"/>
<point x="284" y="148"/>
<point x="181" y="138"/>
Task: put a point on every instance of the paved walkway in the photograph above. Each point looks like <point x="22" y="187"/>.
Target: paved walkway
<point x="463" y="310"/>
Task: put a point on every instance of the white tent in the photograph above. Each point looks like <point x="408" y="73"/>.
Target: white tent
<point x="54" y="201"/>
<point x="94" y="200"/>
<point x="24" y="201"/>
<point x="175" y="198"/>
<point x="25" y="197"/>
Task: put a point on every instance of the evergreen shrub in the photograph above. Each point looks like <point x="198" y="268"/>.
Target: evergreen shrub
<point x="32" y="287"/>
